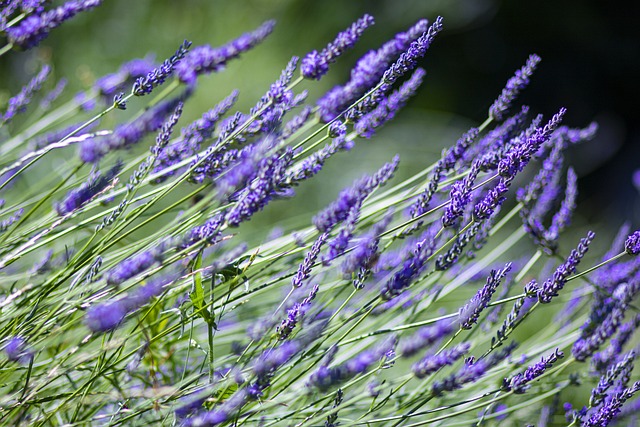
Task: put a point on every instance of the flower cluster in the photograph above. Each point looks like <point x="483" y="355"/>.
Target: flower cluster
<point x="198" y="293"/>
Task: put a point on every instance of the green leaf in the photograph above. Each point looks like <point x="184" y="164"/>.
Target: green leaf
<point x="197" y="291"/>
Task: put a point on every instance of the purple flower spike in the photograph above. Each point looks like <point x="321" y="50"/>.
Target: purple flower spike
<point x="325" y="377"/>
<point x="134" y="265"/>
<point x="304" y="269"/>
<point x="519" y="155"/>
<point x="367" y="72"/>
<point x="192" y="137"/>
<point x="53" y="94"/>
<point x="316" y="64"/>
<point x="460" y="196"/>
<point x="89" y="189"/>
<point x="409" y="59"/>
<point x="562" y="218"/>
<point x="612" y="407"/>
<point x="491" y="201"/>
<point x="127" y="134"/>
<point x="260" y="191"/>
<point x="107" y="86"/>
<point x="412" y="267"/>
<point x="295" y="313"/>
<point x="221" y="413"/>
<point x="447" y="162"/>
<point x="632" y="245"/>
<point x="339" y="210"/>
<point x="553" y="285"/>
<point x="621" y="369"/>
<point x="425" y="337"/>
<point x="33" y="29"/>
<point x="388" y="107"/>
<point x="18" y="103"/>
<point x="434" y="362"/>
<point x="106" y="317"/>
<point x="519" y="383"/>
<point x="17" y="350"/>
<point x="205" y="59"/>
<point x="515" y="84"/>
<point x="469" y="314"/>
<point x="365" y="253"/>
<point x="6" y="223"/>
<point x="144" y="85"/>
<point x="469" y="373"/>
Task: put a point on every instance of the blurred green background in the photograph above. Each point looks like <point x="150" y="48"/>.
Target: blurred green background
<point x="590" y="59"/>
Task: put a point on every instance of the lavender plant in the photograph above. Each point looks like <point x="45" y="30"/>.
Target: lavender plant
<point x="129" y="297"/>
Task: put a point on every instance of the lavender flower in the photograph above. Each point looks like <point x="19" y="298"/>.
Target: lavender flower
<point x="89" y="189"/>
<point x="470" y="372"/>
<point x="519" y="156"/>
<point x="304" y="269"/>
<point x="18" y="103"/>
<point x="32" y="6"/>
<point x="424" y="338"/>
<point x="515" y="84"/>
<point x="492" y="200"/>
<point x="519" y="383"/>
<point x="144" y="85"/>
<point x="110" y="84"/>
<point x="603" y="359"/>
<point x="162" y="139"/>
<point x="314" y="163"/>
<point x="387" y="108"/>
<point x="107" y="316"/>
<point x="295" y="313"/>
<point x="443" y="262"/>
<point x="622" y="369"/>
<point x="553" y="285"/>
<point x="271" y="171"/>
<point x="6" y="223"/>
<point x="350" y="197"/>
<point x="604" y="320"/>
<point x="495" y="143"/>
<point x="127" y="134"/>
<point x="460" y="196"/>
<point x="34" y="28"/>
<point x="17" y="350"/>
<point x="223" y="412"/>
<point x="365" y="252"/>
<point x="296" y="122"/>
<point x="447" y="162"/>
<point x="316" y="64"/>
<point x="331" y="419"/>
<point x="208" y="232"/>
<point x="53" y="94"/>
<point x="191" y="138"/>
<point x="367" y="72"/>
<point x="7" y="9"/>
<point x="339" y="244"/>
<point x="632" y="244"/>
<point x="411" y="268"/>
<point x="134" y="265"/>
<point x="432" y="363"/>
<point x="409" y="59"/>
<point x="469" y="314"/>
<point x="562" y="218"/>
<point x="324" y="378"/>
<point x="245" y="168"/>
<point x="612" y="407"/>
<point x="205" y="59"/>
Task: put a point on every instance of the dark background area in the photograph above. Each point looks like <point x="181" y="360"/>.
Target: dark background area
<point x="589" y="49"/>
